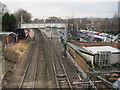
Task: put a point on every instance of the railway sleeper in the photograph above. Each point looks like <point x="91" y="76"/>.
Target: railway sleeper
<point x="32" y="42"/>
<point x="27" y="85"/>
<point x="62" y="81"/>
<point x="61" y="75"/>
<point x="63" y="85"/>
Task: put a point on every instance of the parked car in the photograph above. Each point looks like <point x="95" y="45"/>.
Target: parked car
<point x="105" y="35"/>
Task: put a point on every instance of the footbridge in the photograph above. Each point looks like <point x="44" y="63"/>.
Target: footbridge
<point x="42" y="25"/>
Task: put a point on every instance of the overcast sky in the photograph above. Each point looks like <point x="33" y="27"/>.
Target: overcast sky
<point x="65" y="8"/>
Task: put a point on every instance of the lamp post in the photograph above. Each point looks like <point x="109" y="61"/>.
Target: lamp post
<point x="1" y="22"/>
<point x="77" y="25"/>
<point x="44" y="23"/>
<point x="51" y="29"/>
<point x="77" y="29"/>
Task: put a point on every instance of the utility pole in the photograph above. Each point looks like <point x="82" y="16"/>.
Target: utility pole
<point x="0" y="23"/>
<point x="76" y="25"/>
<point x="51" y="29"/>
<point x="44" y="22"/>
<point x="21" y="21"/>
<point x="21" y="18"/>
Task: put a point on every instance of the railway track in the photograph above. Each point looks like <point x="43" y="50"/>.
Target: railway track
<point x="29" y="68"/>
<point x="30" y="73"/>
<point x="71" y="77"/>
<point x="52" y="49"/>
<point x="61" y="77"/>
<point x="75" y="77"/>
<point x="44" y="50"/>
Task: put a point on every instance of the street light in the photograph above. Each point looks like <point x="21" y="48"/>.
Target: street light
<point x="77" y="25"/>
<point x="51" y="30"/>
<point x="44" y="23"/>
<point x="76" y="28"/>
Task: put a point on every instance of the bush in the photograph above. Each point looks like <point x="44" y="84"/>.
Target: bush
<point x="10" y="56"/>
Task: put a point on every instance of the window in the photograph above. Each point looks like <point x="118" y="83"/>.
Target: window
<point x="103" y="58"/>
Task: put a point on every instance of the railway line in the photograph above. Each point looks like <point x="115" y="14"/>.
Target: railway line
<point x="46" y="67"/>
<point x="61" y="78"/>
<point x="63" y="75"/>
<point x="30" y="73"/>
<point x="42" y="67"/>
<point x="73" y="77"/>
<point x="30" y="77"/>
<point x="76" y="80"/>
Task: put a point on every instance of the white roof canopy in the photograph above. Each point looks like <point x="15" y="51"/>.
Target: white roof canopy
<point x="95" y="49"/>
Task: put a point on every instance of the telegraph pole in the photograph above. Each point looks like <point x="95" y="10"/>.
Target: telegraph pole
<point x="21" y="18"/>
<point x="51" y="29"/>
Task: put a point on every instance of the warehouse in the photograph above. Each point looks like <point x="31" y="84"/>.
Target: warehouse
<point x="102" y="54"/>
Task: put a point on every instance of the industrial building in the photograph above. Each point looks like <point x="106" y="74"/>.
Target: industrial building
<point x="99" y="58"/>
<point x="102" y="54"/>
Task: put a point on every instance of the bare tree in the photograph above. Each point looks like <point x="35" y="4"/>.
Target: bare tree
<point x="53" y="19"/>
<point x="23" y="16"/>
<point x="72" y="29"/>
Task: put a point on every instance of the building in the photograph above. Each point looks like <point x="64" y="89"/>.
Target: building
<point x="104" y="55"/>
<point x="100" y="53"/>
<point x="8" y="38"/>
<point x="91" y="59"/>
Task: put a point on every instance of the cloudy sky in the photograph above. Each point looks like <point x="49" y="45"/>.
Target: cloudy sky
<point x="65" y="8"/>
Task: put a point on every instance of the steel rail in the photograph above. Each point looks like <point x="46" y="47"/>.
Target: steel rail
<point x="56" y="54"/>
<point x="53" y="63"/>
<point x="27" y="67"/>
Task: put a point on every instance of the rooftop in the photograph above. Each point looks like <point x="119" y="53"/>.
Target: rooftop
<point x="77" y="47"/>
<point x="95" y="49"/>
<point x="7" y="33"/>
<point x="94" y="44"/>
